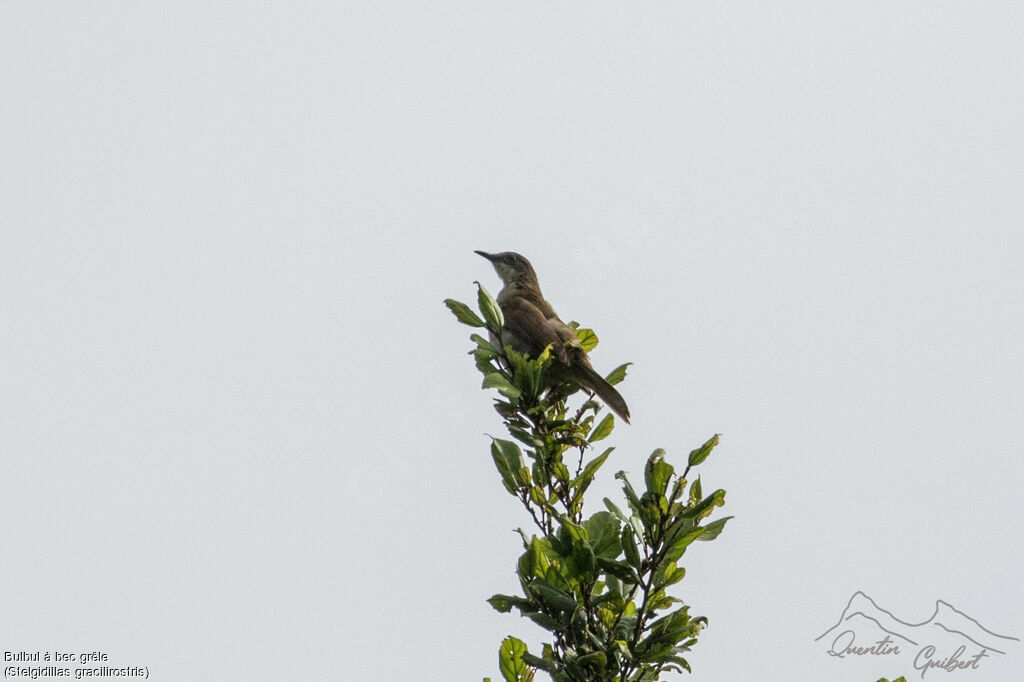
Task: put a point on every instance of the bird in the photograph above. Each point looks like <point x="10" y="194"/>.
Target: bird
<point x="531" y="325"/>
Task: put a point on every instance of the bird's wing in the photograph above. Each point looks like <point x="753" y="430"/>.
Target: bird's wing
<point x="564" y="332"/>
<point x="527" y="331"/>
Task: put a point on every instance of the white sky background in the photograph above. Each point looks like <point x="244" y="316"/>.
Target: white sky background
<point x="240" y="436"/>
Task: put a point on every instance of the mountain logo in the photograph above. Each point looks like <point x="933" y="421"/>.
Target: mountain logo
<point x="949" y="640"/>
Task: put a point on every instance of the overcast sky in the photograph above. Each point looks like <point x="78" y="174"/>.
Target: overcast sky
<point x="239" y="433"/>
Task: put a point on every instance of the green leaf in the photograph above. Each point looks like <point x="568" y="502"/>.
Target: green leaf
<point x="504" y="603"/>
<point x="614" y="509"/>
<point x="638" y="527"/>
<point x="667" y="631"/>
<point x="587" y="475"/>
<point x="628" y="542"/>
<point x="545" y="621"/>
<point x="588" y="339"/>
<point x="506" y="409"/>
<point x="681" y="662"/>
<point x="484" y="344"/>
<point x="554" y="577"/>
<point x="705" y="507"/>
<point x="603" y="533"/>
<point x="528" y="372"/>
<point x="614" y="589"/>
<point x="657" y="472"/>
<point x="574" y="532"/>
<point x="463" y="313"/>
<point x="668" y="574"/>
<point x="525" y="437"/>
<point x="533" y="563"/>
<point x="498" y="381"/>
<point x="695" y="492"/>
<point x="507" y="476"/>
<point x="627" y="488"/>
<point x="596" y="659"/>
<point x="560" y="471"/>
<point x="713" y="529"/>
<point x="602" y="430"/>
<point x="659" y="601"/>
<point x="617" y="374"/>
<point x="490" y="308"/>
<point x="557" y="599"/>
<point x="680" y="541"/>
<point x="544" y="664"/>
<point x="620" y="570"/>
<point x="483" y="360"/>
<point x="513" y="457"/>
<point x="500" y="603"/>
<point x="582" y="564"/>
<point x="510" y="659"/>
<point x="700" y="454"/>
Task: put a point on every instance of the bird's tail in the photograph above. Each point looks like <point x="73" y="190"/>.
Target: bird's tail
<point x="588" y="378"/>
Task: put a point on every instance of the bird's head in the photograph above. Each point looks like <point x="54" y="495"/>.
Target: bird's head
<point x="511" y="267"/>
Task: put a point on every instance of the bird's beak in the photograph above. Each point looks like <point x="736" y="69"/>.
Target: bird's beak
<point x="486" y="255"/>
